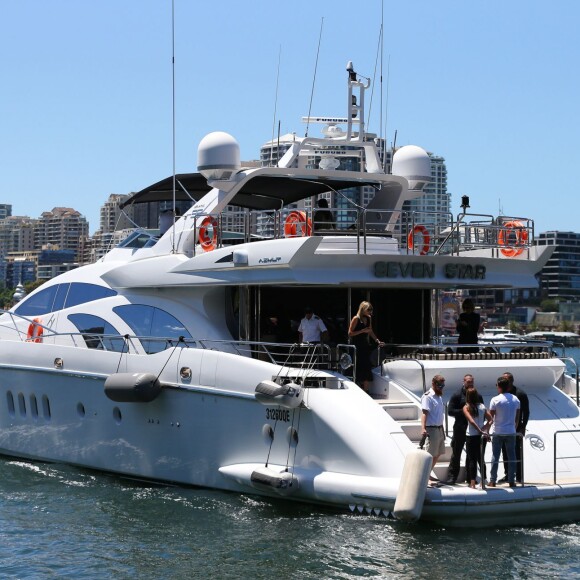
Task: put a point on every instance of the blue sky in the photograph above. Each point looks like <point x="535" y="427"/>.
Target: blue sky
<point x="86" y="98"/>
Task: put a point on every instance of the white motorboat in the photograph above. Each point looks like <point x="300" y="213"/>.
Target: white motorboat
<point x="155" y="363"/>
<point x="498" y="334"/>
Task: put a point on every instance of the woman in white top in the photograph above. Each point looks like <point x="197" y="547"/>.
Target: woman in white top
<point x="478" y="422"/>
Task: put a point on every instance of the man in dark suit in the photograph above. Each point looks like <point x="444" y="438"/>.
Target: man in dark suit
<point x="455" y="410"/>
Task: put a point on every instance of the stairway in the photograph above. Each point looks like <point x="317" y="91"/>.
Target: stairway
<point x="407" y="413"/>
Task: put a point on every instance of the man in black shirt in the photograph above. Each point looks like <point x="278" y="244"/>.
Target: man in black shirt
<point x="521" y="428"/>
<point x="455" y="410"/>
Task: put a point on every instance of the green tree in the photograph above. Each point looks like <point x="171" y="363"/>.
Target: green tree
<point x="30" y="286"/>
<point x="566" y="326"/>
<point x="550" y="305"/>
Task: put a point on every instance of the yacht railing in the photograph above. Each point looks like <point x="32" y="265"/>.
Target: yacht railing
<point x="556" y="458"/>
<point x="577" y="378"/>
<point x="416" y="232"/>
<point x="504" y="460"/>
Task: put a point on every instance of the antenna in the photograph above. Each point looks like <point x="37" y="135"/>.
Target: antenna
<point x="274" y="119"/>
<point x="373" y="89"/>
<point x="387" y="115"/>
<point x="314" y="77"/>
<point x="382" y="45"/>
<point x="173" y="114"/>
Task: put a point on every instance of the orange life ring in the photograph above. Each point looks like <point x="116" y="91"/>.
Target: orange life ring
<point x="206" y="241"/>
<point x="504" y="238"/>
<point x="297" y="224"/>
<point x="35" y="331"/>
<point x="419" y="229"/>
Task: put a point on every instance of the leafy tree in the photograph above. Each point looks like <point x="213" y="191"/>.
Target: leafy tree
<point x="550" y="305"/>
<point x="566" y="326"/>
<point x="30" y="286"/>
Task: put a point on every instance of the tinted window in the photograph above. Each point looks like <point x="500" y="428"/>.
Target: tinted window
<point x="81" y="293"/>
<point x="150" y="321"/>
<point x="39" y="303"/>
<point x="93" y="328"/>
<point x="61" y="296"/>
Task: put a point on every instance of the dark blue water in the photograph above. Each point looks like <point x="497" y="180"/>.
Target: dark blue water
<point x="61" y="522"/>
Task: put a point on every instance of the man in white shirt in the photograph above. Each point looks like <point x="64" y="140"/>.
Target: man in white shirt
<point x="432" y="419"/>
<point x="505" y="410"/>
<point x="311" y="328"/>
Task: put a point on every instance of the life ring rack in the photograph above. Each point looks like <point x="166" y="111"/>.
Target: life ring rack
<point x="419" y="229"/>
<point x="297" y="224"/>
<point x="35" y="331"/>
<point x="512" y="247"/>
<point x="207" y="240"/>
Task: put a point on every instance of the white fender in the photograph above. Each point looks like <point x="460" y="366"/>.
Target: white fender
<point x="413" y="486"/>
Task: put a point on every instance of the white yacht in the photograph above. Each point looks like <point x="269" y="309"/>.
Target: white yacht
<point x="174" y="358"/>
<point x="498" y="334"/>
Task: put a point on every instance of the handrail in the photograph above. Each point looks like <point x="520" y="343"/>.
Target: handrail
<point x="393" y="359"/>
<point x="570" y="359"/>
<point x="505" y="460"/>
<point x="568" y="431"/>
<point x="364" y="223"/>
<point x="14" y="315"/>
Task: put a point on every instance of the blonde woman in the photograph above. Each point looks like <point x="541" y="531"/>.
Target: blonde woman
<point x="361" y="334"/>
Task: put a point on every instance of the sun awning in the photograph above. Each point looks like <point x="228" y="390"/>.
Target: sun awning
<point x="260" y="192"/>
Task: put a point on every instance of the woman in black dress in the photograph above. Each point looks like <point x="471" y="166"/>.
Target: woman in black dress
<point x="361" y="333"/>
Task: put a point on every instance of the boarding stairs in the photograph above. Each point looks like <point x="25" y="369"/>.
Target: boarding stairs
<point x="405" y="409"/>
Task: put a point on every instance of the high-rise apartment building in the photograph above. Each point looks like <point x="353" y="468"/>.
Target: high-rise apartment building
<point x="16" y="234"/>
<point x="112" y="218"/>
<point x="64" y="228"/>
<point x="5" y="210"/>
<point x="560" y="277"/>
<point x="434" y="205"/>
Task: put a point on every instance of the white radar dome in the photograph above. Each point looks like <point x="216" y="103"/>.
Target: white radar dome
<point x="413" y="163"/>
<point x="218" y="156"/>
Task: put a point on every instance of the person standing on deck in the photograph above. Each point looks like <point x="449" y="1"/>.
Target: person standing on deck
<point x="468" y="326"/>
<point x="521" y="428"/>
<point x="360" y="333"/>
<point x="312" y="329"/>
<point x="505" y="412"/>
<point x="432" y="417"/>
<point x="455" y="410"/>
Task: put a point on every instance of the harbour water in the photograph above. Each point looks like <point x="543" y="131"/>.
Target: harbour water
<point x="62" y="522"/>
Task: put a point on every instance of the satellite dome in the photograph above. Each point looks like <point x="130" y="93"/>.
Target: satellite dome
<point x="413" y="163"/>
<point x="218" y="156"/>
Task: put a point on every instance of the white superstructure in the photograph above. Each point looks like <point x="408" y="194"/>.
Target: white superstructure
<point x="173" y="358"/>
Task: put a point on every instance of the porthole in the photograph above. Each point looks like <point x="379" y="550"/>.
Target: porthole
<point x="81" y="410"/>
<point x="22" y="405"/>
<point x="33" y="406"/>
<point x="10" y="403"/>
<point x="117" y="415"/>
<point x="46" y="407"/>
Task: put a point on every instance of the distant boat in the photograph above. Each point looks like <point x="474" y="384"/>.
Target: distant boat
<point x="498" y="334"/>
<point x="565" y="338"/>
